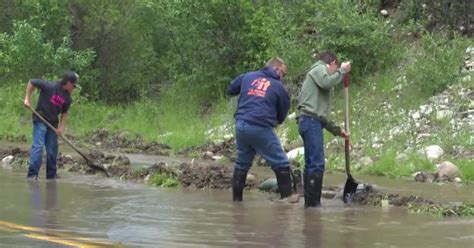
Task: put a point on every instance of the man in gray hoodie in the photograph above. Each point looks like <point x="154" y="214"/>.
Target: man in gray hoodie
<point x="314" y="107"/>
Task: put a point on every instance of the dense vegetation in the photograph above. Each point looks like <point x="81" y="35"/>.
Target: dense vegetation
<point x="160" y="68"/>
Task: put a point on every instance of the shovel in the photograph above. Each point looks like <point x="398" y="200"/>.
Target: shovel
<point x="351" y="185"/>
<point x="88" y="161"/>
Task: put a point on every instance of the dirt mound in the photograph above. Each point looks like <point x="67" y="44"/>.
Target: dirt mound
<point x="115" y="165"/>
<point x="224" y="148"/>
<point x="125" y="142"/>
<point x="205" y="176"/>
<point x="16" y="152"/>
<point x="374" y="197"/>
<point x="20" y="157"/>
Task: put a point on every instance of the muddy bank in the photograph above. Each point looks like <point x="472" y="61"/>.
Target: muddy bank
<point x="193" y="175"/>
<point x="124" y="142"/>
<point x="374" y="197"/>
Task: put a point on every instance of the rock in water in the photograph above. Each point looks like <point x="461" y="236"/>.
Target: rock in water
<point x="6" y="161"/>
<point x="423" y="177"/>
<point x="293" y="154"/>
<point x="447" y="171"/>
<point x="269" y="185"/>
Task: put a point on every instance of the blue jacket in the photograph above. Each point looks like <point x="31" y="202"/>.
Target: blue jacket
<point x="263" y="99"/>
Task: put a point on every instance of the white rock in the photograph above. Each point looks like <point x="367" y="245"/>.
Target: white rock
<point x="433" y="152"/>
<point x="384" y="12"/>
<point x="426" y="109"/>
<point x="366" y="161"/>
<point x="292" y="116"/>
<point x="216" y="157"/>
<point x="395" y="131"/>
<point x="416" y="115"/>
<point x="251" y="179"/>
<point x="147" y="178"/>
<point x="444" y="114"/>
<point x="458" y="180"/>
<point x="208" y="154"/>
<point x="6" y="161"/>
<point x="377" y="145"/>
<point x="98" y="144"/>
<point x="68" y="156"/>
<point x="293" y="154"/>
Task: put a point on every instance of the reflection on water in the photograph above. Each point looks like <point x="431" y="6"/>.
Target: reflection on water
<point x="312" y="229"/>
<point x="43" y="203"/>
<point x="140" y="216"/>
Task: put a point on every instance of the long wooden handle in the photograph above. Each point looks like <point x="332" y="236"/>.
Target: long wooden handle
<point x="61" y="135"/>
<point x="346" y="124"/>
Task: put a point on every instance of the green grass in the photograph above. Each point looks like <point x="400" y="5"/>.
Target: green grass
<point x="387" y="165"/>
<point x="467" y="169"/>
<point x="163" y="180"/>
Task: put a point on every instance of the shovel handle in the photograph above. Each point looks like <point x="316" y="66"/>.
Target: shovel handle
<point x="346" y="123"/>
<point x="346" y="80"/>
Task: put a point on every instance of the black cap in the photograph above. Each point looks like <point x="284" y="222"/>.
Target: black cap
<point x="71" y="77"/>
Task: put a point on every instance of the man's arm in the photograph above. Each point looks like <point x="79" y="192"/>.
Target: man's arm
<point x="62" y="124"/>
<point x="234" y="87"/>
<point x="322" y="78"/>
<point x="29" y="91"/>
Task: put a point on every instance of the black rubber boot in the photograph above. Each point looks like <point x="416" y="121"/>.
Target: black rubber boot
<point x="238" y="184"/>
<point x="313" y="183"/>
<point x="284" y="181"/>
<point x="305" y="184"/>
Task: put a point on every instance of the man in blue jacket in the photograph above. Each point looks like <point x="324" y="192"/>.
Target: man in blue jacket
<point x="263" y="104"/>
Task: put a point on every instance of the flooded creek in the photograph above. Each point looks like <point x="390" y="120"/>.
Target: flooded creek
<point x="98" y="212"/>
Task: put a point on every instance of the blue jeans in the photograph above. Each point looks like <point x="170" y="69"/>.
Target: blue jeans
<point x="311" y="130"/>
<point x="252" y="139"/>
<point x="43" y="136"/>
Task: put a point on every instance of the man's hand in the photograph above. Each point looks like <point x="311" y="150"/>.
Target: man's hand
<point x="345" y="135"/>
<point x="27" y="103"/>
<point x="60" y="130"/>
<point x="346" y="66"/>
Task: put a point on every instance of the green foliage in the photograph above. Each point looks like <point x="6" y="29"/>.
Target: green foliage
<point x="466" y="167"/>
<point x="121" y="35"/>
<point x="433" y="69"/>
<point x="14" y="116"/>
<point x="358" y="36"/>
<point x="25" y="54"/>
<point x="163" y="180"/>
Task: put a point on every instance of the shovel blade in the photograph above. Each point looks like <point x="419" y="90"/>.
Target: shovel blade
<point x="349" y="190"/>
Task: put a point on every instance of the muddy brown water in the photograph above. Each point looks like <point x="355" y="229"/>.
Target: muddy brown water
<point x="98" y="209"/>
<point x="133" y="215"/>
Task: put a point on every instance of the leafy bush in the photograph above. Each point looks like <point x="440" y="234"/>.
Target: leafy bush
<point x="356" y="35"/>
<point x="26" y="54"/>
<point x="433" y="70"/>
